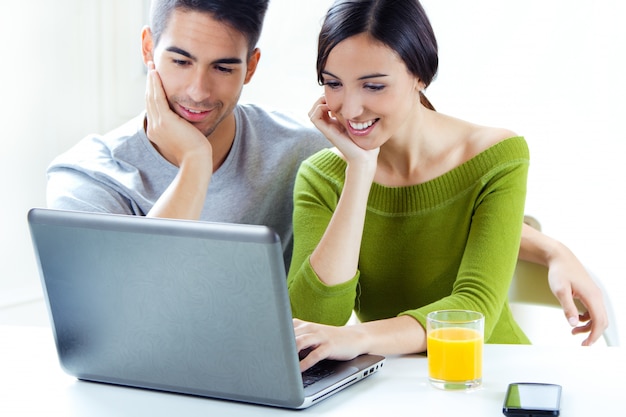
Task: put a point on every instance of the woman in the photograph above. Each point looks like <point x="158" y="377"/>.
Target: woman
<point x="413" y="210"/>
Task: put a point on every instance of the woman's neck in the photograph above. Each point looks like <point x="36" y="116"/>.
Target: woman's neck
<point x="421" y="151"/>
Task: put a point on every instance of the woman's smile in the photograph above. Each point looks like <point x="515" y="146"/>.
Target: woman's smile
<point x="361" y="128"/>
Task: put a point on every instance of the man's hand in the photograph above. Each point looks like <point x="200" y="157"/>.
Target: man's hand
<point x="174" y="137"/>
<point x="183" y="145"/>
<point x="569" y="280"/>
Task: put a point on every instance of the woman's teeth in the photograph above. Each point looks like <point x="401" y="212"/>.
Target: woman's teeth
<point x="361" y="126"/>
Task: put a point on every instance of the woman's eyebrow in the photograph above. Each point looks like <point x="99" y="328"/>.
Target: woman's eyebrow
<point x="365" y="77"/>
<point x="377" y="75"/>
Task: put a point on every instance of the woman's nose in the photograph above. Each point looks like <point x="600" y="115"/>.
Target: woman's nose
<point x="351" y="105"/>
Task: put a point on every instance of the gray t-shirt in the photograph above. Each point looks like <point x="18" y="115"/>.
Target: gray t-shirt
<point x="122" y="173"/>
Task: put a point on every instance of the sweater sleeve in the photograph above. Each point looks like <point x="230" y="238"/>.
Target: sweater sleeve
<point x="490" y="255"/>
<point x="315" y="199"/>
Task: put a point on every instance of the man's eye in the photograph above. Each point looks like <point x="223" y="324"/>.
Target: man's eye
<point x="225" y="70"/>
<point x="180" y="62"/>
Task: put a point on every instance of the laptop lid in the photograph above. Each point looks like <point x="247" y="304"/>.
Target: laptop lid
<point x="190" y="307"/>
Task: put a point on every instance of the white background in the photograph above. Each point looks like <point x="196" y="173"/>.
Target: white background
<point x="551" y="70"/>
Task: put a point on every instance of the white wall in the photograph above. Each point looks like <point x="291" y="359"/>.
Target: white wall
<point x="69" y="67"/>
<point x="550" y="70"/>
<point x="43" y="69"/>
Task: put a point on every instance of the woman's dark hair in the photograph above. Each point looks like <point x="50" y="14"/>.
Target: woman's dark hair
<point x="401" y="25"/>
<point x="245" y="16"/>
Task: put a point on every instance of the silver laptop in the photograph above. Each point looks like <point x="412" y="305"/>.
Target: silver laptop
<point x="189" y="307"/>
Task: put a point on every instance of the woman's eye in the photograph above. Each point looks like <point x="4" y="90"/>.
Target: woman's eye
<point x="374" y="87"/>
<point x="332" y="84"/>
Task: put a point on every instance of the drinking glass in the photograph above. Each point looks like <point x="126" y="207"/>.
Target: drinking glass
<point x="455" y="341"/>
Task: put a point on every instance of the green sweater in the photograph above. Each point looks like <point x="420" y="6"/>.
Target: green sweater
<point x="449" y="243"/>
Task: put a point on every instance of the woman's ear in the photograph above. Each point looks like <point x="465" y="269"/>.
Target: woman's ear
<point x="147" y="45"/>
<point x="420" y="86"/>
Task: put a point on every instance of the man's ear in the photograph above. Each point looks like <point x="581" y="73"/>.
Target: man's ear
<point x="253" y="61"/>
<point x="147" y="45"/>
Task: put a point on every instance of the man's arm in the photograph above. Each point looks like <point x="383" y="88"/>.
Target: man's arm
<point x="568" y="280"/>
<point x="184" y="146"/>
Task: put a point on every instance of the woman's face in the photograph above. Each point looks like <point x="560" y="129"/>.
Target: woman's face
<point x="369" y="90"/>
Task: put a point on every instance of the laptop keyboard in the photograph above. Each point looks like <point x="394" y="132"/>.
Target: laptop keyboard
<point x="315" y="373"/>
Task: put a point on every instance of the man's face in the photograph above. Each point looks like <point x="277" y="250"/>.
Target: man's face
<point x="203" y="65"/>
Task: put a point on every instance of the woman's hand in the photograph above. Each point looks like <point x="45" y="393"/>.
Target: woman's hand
<point x="325" y="342"/>
<point x="393" y="336"/>
<point x="322" y="118"/>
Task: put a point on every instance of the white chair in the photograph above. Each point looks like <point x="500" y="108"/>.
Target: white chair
<point x="530" y="287"/>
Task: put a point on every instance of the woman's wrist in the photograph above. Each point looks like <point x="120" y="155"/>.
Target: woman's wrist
<point x="361" y="337"/>
<point x="397" y="335"/>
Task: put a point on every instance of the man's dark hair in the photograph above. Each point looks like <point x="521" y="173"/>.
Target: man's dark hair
<point x="245" y="16"/>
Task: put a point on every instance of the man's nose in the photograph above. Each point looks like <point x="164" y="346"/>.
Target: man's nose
<point x="199" y="88"/>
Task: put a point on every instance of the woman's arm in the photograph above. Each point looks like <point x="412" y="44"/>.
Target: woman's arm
<point x="335" y="259"/>
<point x="490" y="247"/>
<point x="328" y="233"/>
<point x="398" y="335"/>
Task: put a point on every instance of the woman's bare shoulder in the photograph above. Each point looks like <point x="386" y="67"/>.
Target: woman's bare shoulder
<point x="486" y="136"/>
<point x="474" y="138"/>
<point x="481" y="138"/>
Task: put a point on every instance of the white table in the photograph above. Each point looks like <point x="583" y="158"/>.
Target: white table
<point x="33" y="384"/>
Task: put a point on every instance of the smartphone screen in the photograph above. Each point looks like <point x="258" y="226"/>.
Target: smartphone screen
<point x="532" y="399"/>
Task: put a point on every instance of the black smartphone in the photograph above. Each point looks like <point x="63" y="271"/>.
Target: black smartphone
<point x="530" y="399"/>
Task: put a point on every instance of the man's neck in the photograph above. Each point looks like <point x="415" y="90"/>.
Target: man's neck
<point x="222" y="139"/>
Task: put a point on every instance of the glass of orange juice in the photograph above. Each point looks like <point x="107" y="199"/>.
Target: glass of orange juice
<point x="455" y="348"/>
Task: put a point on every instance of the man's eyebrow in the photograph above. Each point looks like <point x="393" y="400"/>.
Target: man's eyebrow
<point x="365" y="77"/>
<point x="228" y="61"/>
<point x="177" y="50"/>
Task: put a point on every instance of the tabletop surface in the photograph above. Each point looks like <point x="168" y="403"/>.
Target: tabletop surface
<point x="33" y="383"/>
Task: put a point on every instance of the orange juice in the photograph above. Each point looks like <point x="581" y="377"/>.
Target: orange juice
<point x="455" y="354"/>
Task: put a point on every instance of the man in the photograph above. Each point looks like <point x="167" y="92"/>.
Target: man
<point x="195" y="153"/>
